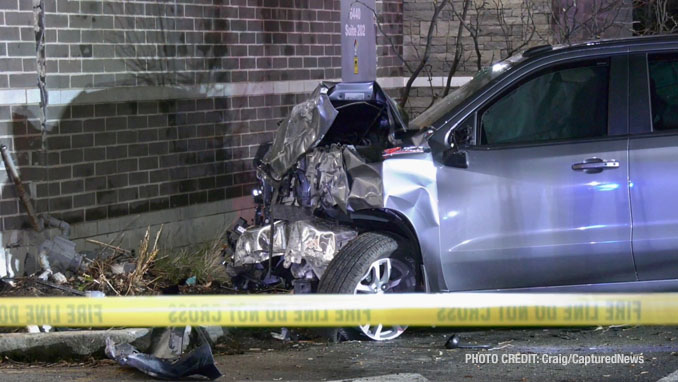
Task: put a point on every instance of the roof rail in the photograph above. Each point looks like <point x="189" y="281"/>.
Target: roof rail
<point x="536" y="50"/>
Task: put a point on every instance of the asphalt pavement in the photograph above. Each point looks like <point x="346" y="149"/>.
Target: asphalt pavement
<point x="533" y="354"/>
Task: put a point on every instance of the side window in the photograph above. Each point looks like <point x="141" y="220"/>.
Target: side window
<point x="567" y="102"/>
<point x="664" y="91"/>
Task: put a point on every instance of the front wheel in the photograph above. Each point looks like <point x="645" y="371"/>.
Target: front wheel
<point x="372" y="263"/>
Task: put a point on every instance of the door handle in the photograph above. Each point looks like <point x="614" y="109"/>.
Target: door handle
<point x="595" y="165"/>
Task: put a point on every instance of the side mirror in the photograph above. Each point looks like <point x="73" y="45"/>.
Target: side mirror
<point x="453" y="157"/>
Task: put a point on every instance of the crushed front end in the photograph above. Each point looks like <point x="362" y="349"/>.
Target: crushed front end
<point x="324" y="163"/>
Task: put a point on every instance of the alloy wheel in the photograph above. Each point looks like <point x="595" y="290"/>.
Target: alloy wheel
<point x="384" y="276"/>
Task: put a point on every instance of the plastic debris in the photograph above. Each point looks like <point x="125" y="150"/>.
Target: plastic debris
<point x="284" y="334"/>
<point x="170" y="342"/>
<point x="44" y="276"/>
<point x="59" y="278"/>
<point x="61" y="254"/>
<point x="39" y="329"/>
<point x="200" y="361"/>
<point x="455" y="343"/>
<point x="122" y="268"/>
<point x="191" y="281"/>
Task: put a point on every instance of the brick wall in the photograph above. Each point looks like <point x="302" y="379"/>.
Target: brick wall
<point x="157" y="105"/>
<point x="390" y="13"/>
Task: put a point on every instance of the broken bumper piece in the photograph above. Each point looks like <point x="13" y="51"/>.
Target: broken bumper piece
<point x="253" y="245"/>
<point x="314" y="241"/>
<point x="198" y="362"/>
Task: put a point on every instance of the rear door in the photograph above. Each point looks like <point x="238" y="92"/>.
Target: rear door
<point x="654" y="164"/>
<point x="544" y="200"/>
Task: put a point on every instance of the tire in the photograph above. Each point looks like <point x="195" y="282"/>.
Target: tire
<point x="356" y="264"/>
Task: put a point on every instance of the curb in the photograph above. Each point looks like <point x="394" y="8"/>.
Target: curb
<point x="56" y="346"/>
<point x="673" y="377"/>
<point x="400" y="377"/>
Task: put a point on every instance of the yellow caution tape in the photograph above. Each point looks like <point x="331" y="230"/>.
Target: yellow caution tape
<point x="454" y="309"/>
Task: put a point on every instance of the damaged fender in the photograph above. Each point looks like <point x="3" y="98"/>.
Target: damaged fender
<point x="410" y="187"/>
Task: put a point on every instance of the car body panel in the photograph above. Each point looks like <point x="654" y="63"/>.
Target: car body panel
<point x="521" y="217"/>
<point x="654" y="180"/>
<point x="409" y="186"/>
<point x="653" y="177"/>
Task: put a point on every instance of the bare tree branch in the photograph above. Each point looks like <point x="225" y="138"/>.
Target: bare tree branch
<point x="427" y="52"/>
<point x="458" y="46"/>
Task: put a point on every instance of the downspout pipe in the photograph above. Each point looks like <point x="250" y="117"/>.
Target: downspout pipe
<point x="21" y="191"/>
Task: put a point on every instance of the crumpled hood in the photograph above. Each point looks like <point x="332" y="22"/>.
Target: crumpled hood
<point x="305" y="127"/>
<point x="312" y="122"/>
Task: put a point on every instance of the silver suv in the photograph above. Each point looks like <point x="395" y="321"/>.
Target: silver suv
<point x="554" y="170"/>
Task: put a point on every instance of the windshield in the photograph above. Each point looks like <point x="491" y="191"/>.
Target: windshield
<point x="452" y="100"/>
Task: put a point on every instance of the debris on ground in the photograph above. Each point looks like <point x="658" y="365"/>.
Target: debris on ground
<point x="170" y="342"/>
<point x="59" y="278"/>
<point x="454" y="342"/>
<point x="123" y="272"/>
<point x="285" y="334"/>
<point x="61" y="254"/>
<point x="199" y="361"/>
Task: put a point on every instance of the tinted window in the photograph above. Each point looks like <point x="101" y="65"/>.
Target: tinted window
<point x="562" y="103"/>
<point x="664" y="91"/>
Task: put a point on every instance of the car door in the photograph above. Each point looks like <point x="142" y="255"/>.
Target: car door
<point x="654" y="164"/>
<point x="544" y="198"/>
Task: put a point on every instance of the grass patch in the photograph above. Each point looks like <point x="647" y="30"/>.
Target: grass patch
<point x="205" y="262"/>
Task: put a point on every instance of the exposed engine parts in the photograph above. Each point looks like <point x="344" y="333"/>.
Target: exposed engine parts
<point x="319" y="168"/>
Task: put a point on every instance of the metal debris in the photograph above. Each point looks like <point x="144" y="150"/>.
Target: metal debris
<point x="316" y="242"/>
<point x="327" y="177"/>
<point x="253" y="245"/>
<point x="306" y="125"/>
